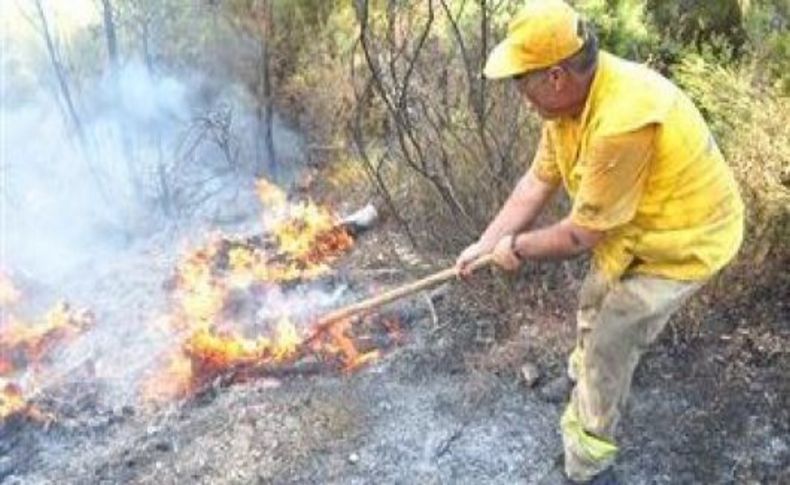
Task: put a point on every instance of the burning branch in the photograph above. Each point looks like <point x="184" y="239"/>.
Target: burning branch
<point x="216" y="284"/>
<point x="223" y="339"/>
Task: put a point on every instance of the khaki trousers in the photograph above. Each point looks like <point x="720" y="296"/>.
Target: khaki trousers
<point x="616" y="323"/>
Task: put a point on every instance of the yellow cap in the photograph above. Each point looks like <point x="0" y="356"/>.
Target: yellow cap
<point x="543" y="33"/>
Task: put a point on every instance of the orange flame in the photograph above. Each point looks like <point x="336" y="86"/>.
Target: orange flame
<point x="24" y="348"/>
<point x="304" y="239"/>
<point x="34" y="341"/>
<point x="270" y="195"/>
<point x="8" y="293"/>
<point x="301" y="242"/>
<point x="11" y="400"/>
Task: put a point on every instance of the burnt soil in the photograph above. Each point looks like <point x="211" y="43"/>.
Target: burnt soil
<point x="709" y="405"/>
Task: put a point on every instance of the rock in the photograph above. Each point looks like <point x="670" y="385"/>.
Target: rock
<point x="163" y="446"/>
<point x="361" y="220"/>
<point x="353" y="458"/>
<point x="530" y="373"/>
<point x="557" y="390"/>
<point x="69" y="424"/>
<point x="6" y="467"/>
<point x="122" y="412"/>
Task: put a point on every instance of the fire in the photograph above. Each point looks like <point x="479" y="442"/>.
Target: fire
<point x="232" y="307"/>
<point x="301" y="241"/>
<point x="8" y="293"/>
<point x="11" y="400"/>
<point x="310" y="234"/>
<point x="287" y="340"/>
<point x="170" y="382"/>
<point x="29" y="344"/>
<point x="270" y="195"/>
<point x="24" y="349"/>
<point x="344" y="346"/>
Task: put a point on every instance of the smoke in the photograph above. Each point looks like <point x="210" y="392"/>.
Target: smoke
<point x="161" y="156"/>
<point x="92" y="209"/>
<point x="157" y="152"/>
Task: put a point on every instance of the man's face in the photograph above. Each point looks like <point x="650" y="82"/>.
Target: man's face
<point x="550" y="91"/>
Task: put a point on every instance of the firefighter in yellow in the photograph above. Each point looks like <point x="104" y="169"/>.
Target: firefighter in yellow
<point x="653" y="200"/>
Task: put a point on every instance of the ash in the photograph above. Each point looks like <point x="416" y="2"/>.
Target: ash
<point x="415" y="414"/>
<point x="421" y="414"/>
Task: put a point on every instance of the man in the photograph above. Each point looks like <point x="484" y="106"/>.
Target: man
<point x="652" y="197"/>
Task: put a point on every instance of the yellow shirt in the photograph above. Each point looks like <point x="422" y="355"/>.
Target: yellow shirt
<point x="641" y="165"/>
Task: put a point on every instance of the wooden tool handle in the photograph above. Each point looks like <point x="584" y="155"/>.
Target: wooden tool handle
<point x="394" y="294"/>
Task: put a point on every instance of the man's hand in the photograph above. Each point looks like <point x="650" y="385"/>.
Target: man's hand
<point x="521" y="208"/>
<point x="504" y="256"/>
<point x="469" y="255"/>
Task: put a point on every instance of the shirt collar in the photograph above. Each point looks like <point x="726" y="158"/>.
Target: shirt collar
<point x="596" y="87"/>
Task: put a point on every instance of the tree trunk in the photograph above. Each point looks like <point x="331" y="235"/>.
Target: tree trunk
<point x="124" y="130"/>
<point x="65" y="91"/>
<point x="270" y="167"/>
<point x="109" y="32"/>
<point x="481" y="95"/>
<point x="149" y="61"/>
<point x="71" y="110"/>
<point x="268" y="115"/>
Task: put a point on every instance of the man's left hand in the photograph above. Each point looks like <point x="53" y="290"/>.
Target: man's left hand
<point x="503" y="254"/>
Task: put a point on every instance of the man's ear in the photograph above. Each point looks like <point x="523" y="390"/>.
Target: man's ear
<point x="557" y="77"/>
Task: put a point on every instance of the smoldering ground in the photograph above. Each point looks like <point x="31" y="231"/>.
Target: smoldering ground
<point x="155" y="162"/>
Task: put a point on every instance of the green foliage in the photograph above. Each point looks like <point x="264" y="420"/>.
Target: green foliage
<point x="313" y="84"/>
<point x="777" y="60"/>
<point x="622" y="26"/>
<point x="309" y="14"/>
<point x="752" y="125"/>
<point x="768" y="29"/>
<point x="700" y="23"/>
<point x="725" y="32"/>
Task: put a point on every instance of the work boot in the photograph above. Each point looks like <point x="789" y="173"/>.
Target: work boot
<point x="556" y="390"/>
<point x="556" y="476"/>
<point x="606" y="477"/>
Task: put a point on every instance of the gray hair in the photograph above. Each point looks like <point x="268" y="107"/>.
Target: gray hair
<point x="587" y="57"/>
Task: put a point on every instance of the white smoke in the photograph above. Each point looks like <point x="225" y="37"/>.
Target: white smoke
<point x="158" y="151"/>
<point x="92" y="218"/>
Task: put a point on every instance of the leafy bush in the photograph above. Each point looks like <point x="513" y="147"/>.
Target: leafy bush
<point x="752" y="125"/>
<point x="622" y="27"/>
<point x="768" y="28"/>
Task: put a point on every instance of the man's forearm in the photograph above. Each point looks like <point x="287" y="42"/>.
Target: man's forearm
<point x="520" y="210"/>
<point x="562" y="240"/>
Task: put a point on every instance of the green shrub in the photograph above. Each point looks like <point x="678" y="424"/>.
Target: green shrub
<point x="768" y="28"/>
<point x="752" y="125"/>
<point x="622" y="27"/>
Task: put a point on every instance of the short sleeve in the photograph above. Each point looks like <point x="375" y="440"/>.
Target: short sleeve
<point x="613" y="179"/>
<point x="544" y="165"/>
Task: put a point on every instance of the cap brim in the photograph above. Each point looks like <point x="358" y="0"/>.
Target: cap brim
<point x="505" y="60"/>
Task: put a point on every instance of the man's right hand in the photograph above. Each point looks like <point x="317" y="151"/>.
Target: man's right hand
<point x="468" y="256"/>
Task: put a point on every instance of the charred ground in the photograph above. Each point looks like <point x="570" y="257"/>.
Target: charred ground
<point x="448" y="406"/>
